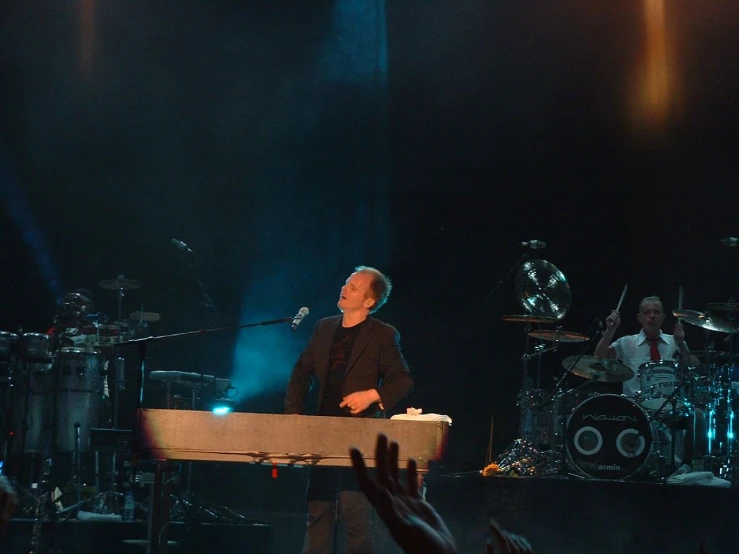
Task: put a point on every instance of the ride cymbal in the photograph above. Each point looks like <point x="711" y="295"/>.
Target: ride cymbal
<point x="120" y="283"/>
<point x="705" y="321"/>
<point x="559" y="336"/>
<point x="600" y="369"/>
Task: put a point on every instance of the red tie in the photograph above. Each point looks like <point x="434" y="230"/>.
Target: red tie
<point x="653" y="350"/>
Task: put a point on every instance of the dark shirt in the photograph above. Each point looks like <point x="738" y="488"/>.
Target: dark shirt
<point x="341" y="351"/>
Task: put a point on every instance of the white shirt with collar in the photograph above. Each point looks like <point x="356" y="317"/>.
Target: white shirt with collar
<point x="634" y="350"/>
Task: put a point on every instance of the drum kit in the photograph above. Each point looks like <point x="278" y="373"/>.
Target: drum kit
<point x="54" y="387"/>
<point x="587" y="431"/>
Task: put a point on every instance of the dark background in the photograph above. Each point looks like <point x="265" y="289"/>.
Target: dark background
<point x="286" y="142"/>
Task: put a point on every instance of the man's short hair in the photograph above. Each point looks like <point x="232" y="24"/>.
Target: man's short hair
<point x="380" y="286"/>
<point x="651" y="299"/>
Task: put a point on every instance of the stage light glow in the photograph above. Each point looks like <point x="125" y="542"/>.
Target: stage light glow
<point x="25" y="220"/>
<point x="221" y="407"/>
<point x="655" y="96"/>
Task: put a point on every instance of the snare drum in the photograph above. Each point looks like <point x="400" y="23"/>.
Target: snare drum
<point x="657" y="381"/>
<point x="610" y="437"/>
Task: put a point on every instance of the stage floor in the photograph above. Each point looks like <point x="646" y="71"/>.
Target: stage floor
<point x="115" y="537"/>
<point x="558" y="515"/>
<point x="561" y="515"/>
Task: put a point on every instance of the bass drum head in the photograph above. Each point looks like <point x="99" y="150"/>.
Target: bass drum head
<point x="608" y="437"/>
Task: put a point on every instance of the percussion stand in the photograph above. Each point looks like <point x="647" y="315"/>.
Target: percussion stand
<point x="119" y="386"/>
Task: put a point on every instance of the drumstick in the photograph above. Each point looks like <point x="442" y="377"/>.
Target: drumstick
<point x="680" y="295"/>
<point x="623" y="295"/>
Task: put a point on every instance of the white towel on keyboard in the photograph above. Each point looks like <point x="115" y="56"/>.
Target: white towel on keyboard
<point x="416" y="414"/>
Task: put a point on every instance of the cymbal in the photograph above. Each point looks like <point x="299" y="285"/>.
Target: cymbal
<point x="149" y="317"/>
<point x="120" y="283"/>
<point x="529" y="318"/>
<point x="723" y="306"/>
<point x="558" y="335"/>
<point x="705" y="320"/>
<point x="542" y="288"/>
<point x="600" y="369"/>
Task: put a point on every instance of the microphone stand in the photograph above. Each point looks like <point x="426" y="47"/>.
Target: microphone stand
<point x="159" y="499"/>
<point x="513" y="268"/>
<point x="191" y="259"/>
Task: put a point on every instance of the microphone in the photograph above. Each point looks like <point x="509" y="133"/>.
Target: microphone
<point x="534" y="244"/>
<point x="730" y="241"/>
<point x="302" y="312"/>
<point x="182" y="247"/>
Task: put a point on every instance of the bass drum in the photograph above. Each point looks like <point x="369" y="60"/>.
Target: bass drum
<point x="610" y="437"/>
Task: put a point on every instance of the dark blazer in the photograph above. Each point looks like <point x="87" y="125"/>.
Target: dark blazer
<point x="376" y="362"/>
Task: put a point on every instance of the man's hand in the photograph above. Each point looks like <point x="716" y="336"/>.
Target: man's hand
<point x="613" y="321"/>
<point x="413" y="522"/>
<point x="359" y="401"/>
<point x="678" y="334"/>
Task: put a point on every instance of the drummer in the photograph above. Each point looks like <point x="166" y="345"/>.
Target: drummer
<point x="649" y="344"/>
<point x="72" y="326"/>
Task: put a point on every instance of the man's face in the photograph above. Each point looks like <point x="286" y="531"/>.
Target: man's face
<point x="356" y="293"/>
<point x="651" y="316"/>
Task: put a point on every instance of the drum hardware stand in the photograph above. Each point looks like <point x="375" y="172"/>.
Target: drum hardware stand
<point x="522" y="456"/>
<point x="108" y="500"/>
<point x="672" y="399"/>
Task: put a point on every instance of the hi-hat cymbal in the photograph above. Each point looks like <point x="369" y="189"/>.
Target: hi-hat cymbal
<point x="542" y="288"/>
<point x="723" y="306"/>
<point x="558" y="335"/>
<point x="599" y="369"/>
<point x="705" y="320"/>
<point x="529" y="318"/>
<point x="120" y="283"/>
